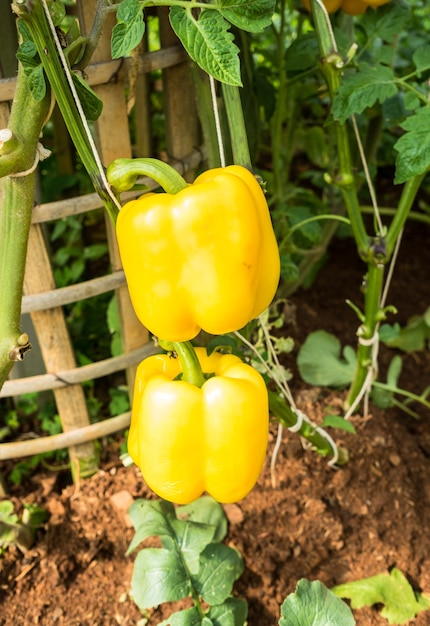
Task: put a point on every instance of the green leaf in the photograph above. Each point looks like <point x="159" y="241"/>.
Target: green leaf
<point x="37" y="83"/>
<point x="320" y="363"/>
<point x="392" y="590"/>
<point x="387" y="21"/>
<point x="313" y="604"/>
<point x="189" y="617"/>
<point x="233" y="612"/>
<point x="128" y="32"/>
<point x="158" y="576"/>
<point x="205" y="510"/>
<point x="421" y="58"/>
<point x="129" y="11"/>
<point x="337" y="421"/>
<point x="150" y="519"/>
<point x="191" y="539"/>
<point x="384" y="398"/>
<point x="362" y="89"/>
<point x="412" y="337"/>
<point x="91" y="103"/>
<point x="249" y="15"/>
<point x="220" y="566"/>
<point x="413" y="147"/>
<point x="208" y="42"/>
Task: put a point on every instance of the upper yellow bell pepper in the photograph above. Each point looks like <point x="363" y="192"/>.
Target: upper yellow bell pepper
<point x="204" y="258"/>
<point x="187" y="440"/>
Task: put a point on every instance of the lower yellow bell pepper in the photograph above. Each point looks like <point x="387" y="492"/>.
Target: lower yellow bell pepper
<point x="187" y="440"/>
<point x="203" y="258"/>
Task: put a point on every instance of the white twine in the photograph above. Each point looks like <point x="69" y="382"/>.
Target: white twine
<point x="42" y="153"/>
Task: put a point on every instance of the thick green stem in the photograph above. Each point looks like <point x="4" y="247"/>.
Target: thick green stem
<point x="288" y="418"/>
<point x="122" y="174"/>
<point x="34" y="16"/>
<point x="236" y="124"/>
<point x="190" y="365"/>
<point x="26" y="122"/>
<point x="403" y="211"/>
<point x="368" y="330"/>
<point x="332" y="64"/>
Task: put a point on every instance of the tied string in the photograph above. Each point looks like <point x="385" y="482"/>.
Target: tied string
<point x="42" y="153"/>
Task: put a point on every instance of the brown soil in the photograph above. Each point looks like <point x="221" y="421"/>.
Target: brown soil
<point x="317" y="523"/>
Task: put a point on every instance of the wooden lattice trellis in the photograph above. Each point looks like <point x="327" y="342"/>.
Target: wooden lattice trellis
<point x="42" y="300"/>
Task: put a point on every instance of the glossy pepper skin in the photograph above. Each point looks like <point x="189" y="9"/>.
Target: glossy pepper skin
<point x="204" y="258"/>
<point x="187" y="440"/>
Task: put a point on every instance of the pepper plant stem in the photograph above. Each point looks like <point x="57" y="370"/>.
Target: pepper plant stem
<point x="191" y="368"/>
<point x="236" y="124"/>
<point x="25" y="123"/>
<point x="32" y="13"/>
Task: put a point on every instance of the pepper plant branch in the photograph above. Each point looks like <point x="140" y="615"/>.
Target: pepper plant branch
<point x="236" y="124"/>
<point x="190" y="365"/>
<point x="59" y="77"/>
<point x="17" y="154"/>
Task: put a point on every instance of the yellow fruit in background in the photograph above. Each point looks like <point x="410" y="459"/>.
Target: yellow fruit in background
<point x="331" y="5"/>
<point x="354" y="7"/>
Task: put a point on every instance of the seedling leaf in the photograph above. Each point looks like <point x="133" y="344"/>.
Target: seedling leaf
<point x="320" y="363"/>
<point x="158" y="576"/>
<point x="233" y="612"/>
<point x="313" y="604"/>
<point x="189" y="617"/>
<point x="205" y="510"/>
<point x="220" y="566"/>
<point x="337" y="421"/>
<point x="392" y="590"/>
<point x="208" y="42"/>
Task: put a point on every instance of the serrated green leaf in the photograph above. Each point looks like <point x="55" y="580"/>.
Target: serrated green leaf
<point x="413" y="147"/>
<point x="421" y="58"/>
<point x="158" y="576"/>
<point x="129" y="11"/>
<point x="387" y="21"/>
<point x="411" y="101"/>
<point x="125" y="37"/>
<point x="205" y="510"/>
<point x="91" y="103"/>
<point x="36" y="82"/>
<point x="220" y="566"/>
<point x="249" y="15"/>
<point x="362" y="89"/>
<point x="189" y="617"/>
<point x="312" y="604"/>
<point x="337" y="421"/>
<point x="233" y="612"/>
<point x="208" y="42"/>
<point x="392" y="590"/>
<point x="320" y="363"/>
<point x="57" y="11"/>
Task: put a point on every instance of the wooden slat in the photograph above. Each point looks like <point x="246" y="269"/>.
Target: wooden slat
<point x="113" y="71"/>
<point x="44" y="382"/>
<point x="56" y="349"/>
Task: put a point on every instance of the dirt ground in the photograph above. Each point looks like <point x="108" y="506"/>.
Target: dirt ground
<point x="318" y="523"/>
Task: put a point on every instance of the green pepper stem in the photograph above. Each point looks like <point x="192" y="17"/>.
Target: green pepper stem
<point x="191" y="368"/>
<point x="236" y="124"/>
<point x="122" y="174"/>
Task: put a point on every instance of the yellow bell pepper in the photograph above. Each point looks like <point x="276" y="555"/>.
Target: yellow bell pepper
<point x="203" y="258"/>
<point x="187" y="440"/>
